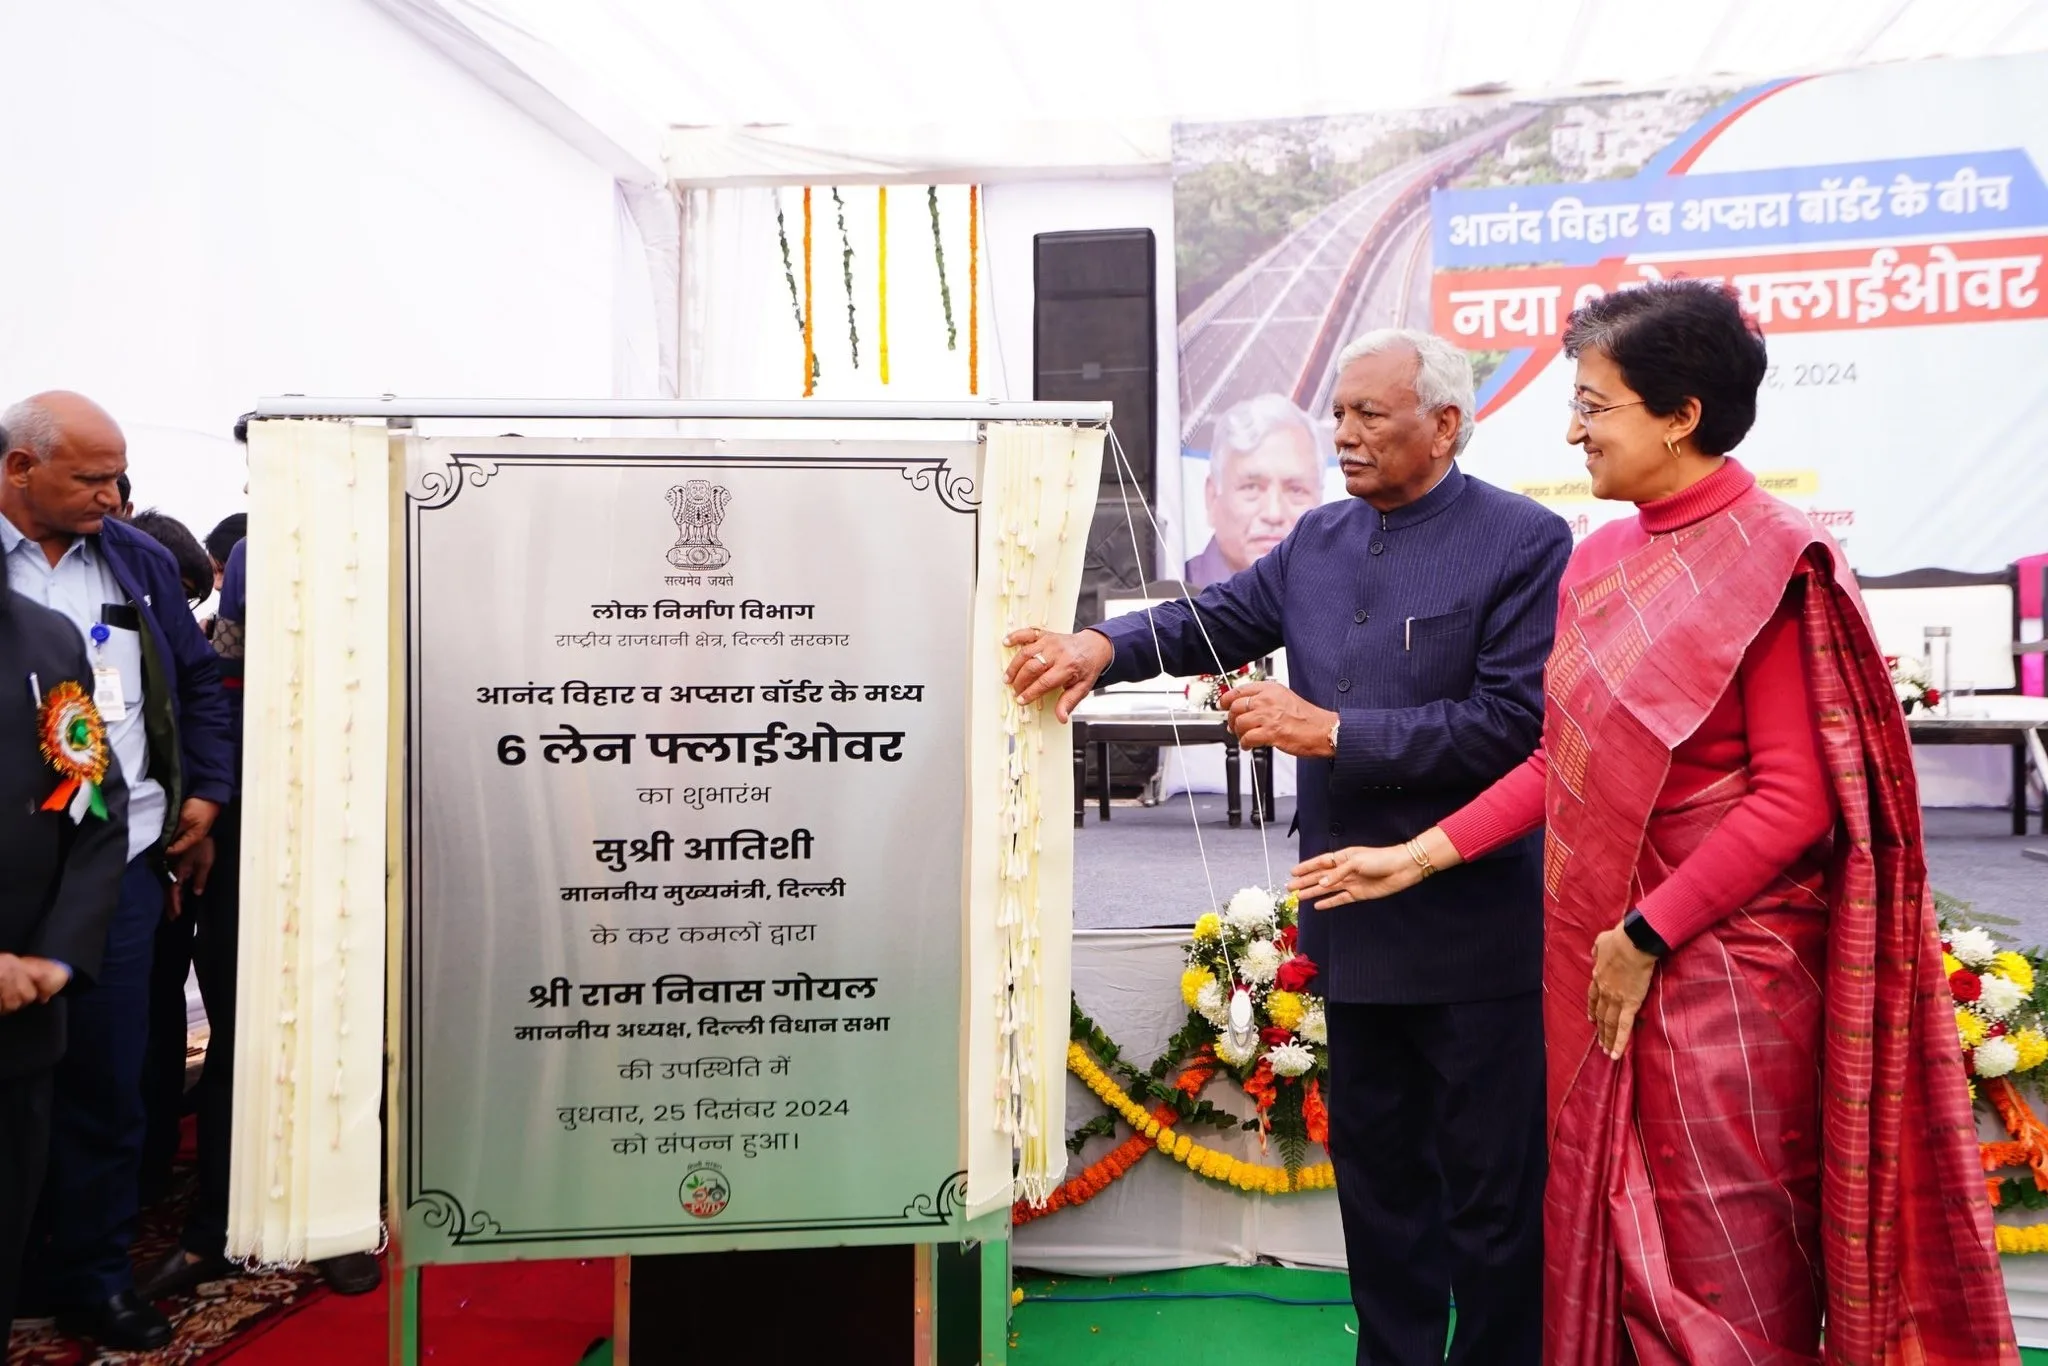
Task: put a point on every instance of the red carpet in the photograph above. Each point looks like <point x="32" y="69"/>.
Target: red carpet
<point x="514" y="1314"/>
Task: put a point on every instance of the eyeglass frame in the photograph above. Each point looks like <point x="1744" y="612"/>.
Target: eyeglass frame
<point x="1579" y="409"/>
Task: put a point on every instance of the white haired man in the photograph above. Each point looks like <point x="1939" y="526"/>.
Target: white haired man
<point x="1417" y="615"/>
<point x="1265" y="470"/>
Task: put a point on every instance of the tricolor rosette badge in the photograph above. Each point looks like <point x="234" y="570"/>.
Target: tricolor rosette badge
<point x="74" y="740"/>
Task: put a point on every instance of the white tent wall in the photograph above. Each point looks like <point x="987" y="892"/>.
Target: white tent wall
<point x="231" y="198"/>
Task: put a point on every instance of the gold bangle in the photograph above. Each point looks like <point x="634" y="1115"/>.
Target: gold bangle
<point x="1421" y="857"/>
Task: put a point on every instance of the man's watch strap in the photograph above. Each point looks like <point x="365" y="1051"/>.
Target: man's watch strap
<point x="1335" y="726"/>
<point x="1643" y="934"/>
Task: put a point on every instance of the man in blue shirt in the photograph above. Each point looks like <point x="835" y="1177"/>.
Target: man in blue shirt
<point x="1417" y="616"/>
<point x="156" y="686"/>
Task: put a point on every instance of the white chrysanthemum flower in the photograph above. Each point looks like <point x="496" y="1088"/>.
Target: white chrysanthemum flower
<point x="1259" y="961"/>
<point x="1996" y="1057"/>
<point x="1230" y="1055"/>
<point x="1910" y="669"/>
<point x="1314" y="1027"/>
<point x="1212" y="1005"/>
<point x="1250" y="910"/>
<point x="2000" y="996"/>
<point x="1974" y="947"/>
<point x="1291" y="1059"/>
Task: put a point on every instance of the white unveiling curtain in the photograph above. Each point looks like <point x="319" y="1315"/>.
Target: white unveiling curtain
<point x="309" y="1056"/>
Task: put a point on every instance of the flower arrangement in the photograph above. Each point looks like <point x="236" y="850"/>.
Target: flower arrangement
<point x="1277" y="1047"/>
<point x="1998" y="1017"/>
<point x="1206" y="692"/>
<point x="1910" y="682"/>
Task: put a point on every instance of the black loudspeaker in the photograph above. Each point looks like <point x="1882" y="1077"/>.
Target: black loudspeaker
<point x="1096" y="337"/>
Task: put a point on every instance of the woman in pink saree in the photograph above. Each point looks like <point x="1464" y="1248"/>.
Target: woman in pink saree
<point x="1760" y="1132"/>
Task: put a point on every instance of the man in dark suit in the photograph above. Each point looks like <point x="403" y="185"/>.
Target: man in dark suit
<point x="157" y="684"/>
<point x="62" y="882"/>
<point x="1417" y="616"/>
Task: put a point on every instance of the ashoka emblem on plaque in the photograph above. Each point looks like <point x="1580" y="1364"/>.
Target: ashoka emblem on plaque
<point x="699" y="508"/>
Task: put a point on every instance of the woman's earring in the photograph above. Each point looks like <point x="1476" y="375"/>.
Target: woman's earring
<point x="1671" y="446"/>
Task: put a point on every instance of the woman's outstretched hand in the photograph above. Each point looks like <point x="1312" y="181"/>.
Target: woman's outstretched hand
<point x="1343" y="876"/>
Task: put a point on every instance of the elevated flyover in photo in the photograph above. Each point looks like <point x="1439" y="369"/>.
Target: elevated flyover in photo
<point x="1360" y="263"/>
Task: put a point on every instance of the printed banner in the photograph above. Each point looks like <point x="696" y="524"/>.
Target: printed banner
<point x="1886" y="227"/>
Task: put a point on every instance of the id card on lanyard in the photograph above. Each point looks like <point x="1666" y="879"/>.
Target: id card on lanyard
<point x="107" y="694"/>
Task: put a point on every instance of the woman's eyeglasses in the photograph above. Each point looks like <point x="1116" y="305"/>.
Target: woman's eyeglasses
<point x="1585" y="413"/>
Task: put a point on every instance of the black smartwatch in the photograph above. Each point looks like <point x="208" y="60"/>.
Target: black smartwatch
<point x="1643" y="934"/>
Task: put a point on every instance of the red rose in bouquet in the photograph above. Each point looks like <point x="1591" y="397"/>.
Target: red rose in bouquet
<point x="1966" y="985"/>
<point x="1296" y="973"/>
<point x="1289" y="937"/>
<point x="1274" y="1035"/>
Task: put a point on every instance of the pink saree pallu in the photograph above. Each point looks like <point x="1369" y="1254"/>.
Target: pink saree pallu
<point x="1785" y="1155"/>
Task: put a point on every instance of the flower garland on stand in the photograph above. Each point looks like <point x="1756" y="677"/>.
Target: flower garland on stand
<point x="1251" y="944"/>
<point x="1281" y="1060"/>
<point x="2002" y="1025"/>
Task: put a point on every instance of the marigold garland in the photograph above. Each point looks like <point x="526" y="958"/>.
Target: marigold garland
<point x="1203" y="1161"/>
<point x="810" y="312"/>
<point x="1096" y="1178"/>
<point x="882" y="281"/>
<point x="973" y="289"/>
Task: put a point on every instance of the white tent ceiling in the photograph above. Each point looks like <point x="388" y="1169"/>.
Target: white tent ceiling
<point x="647" y="65"/>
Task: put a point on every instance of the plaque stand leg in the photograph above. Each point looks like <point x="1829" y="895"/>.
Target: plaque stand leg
<point x="924" y="1305"/>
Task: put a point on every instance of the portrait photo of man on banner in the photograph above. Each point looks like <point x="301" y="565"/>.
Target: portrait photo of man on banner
<point x="1266" y="468"/>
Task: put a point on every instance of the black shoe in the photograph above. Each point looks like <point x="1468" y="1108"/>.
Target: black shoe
<point x="355" y="1273"/>
<point x="126" y="1323"/>
<point x="180" y="1275"/>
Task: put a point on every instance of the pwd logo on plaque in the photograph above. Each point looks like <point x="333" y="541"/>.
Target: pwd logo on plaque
<point x="705" y="1192"/>
<point x="699" y="508"/>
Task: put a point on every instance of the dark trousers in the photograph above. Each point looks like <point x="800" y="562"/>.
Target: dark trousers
<point x="86" y="1218"/>
<point x="24" y="1149"/>
<point x="1436" y="1130"/>
<point x="204" y="938"/>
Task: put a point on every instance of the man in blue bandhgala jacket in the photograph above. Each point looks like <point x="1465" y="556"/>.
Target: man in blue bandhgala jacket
<point x="159" y="692"/>
<point x="1416" y="615"/>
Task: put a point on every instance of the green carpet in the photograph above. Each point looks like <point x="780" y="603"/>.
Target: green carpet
<point x="1156" y="1327"/>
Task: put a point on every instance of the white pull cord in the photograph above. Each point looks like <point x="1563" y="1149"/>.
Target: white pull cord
<point x="1125" y="478"/>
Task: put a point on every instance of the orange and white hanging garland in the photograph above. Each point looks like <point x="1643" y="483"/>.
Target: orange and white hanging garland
<point x="804" y="302"/>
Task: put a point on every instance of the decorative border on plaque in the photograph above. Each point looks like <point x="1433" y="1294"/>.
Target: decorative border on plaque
<point x="438" y="486"/>
<point x="940" y="1208"/>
